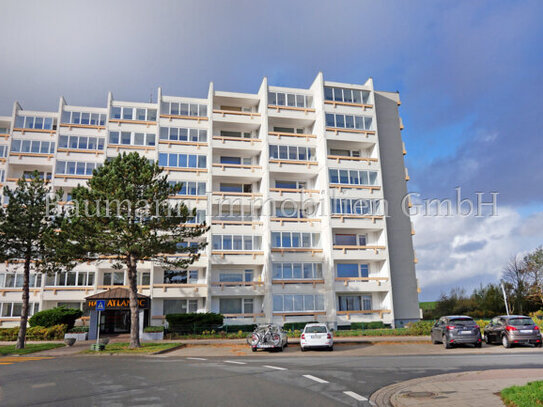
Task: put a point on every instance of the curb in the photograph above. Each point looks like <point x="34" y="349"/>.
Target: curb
<point x="160" y="352"/>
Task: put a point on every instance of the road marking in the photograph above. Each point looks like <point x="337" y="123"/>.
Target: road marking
<point x="40" y="385"/>
<point x="317" y="379"/>
<point x="196" y="358"/>
<point x="275" y="367"/>
<point x="6" y="363"/>
<point x="355" y="396"/>
<point x="234" y="362"/>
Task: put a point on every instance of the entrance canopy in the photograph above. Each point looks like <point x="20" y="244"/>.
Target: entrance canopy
<point x="117" y="299"/>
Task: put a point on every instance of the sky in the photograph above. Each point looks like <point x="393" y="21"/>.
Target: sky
<point x="469" y="75"/>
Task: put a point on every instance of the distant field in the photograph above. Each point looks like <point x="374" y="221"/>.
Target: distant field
<point x="429" y="305"/>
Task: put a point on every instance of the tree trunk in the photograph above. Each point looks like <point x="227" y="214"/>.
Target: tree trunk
<point x="134" y="308"/>
<point x="24" y="312"/>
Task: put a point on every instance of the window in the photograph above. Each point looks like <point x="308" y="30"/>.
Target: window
<point x="184" y="109"/>
<point x="73" y="278"/>
<point x="348" y="121"/>
<point x="84" y="118"/>
<point x="183" y="134"/>
<point x="81" y="142"/>
<point x="298" y="302"/>
<point x="344" y="153"/>
<point x="297" y="271"/>
<point x="236" y="305"/>
<point x="190" y="188"/>
<point x="290" y="184"/>
<point x="113" y="278"/>
<point x="236" y="134"/>
<point x="144" y="278"/>
<point x="180" y="306"/>
<point x="182" y="160"/>
<point x="75" y="167"/>
<point x="4" y="130"/>
<point x="355" y="302"/>
<point x="353" y="177"/>
<point x="230" y="160"/>
<point x="236" y="242"/>
<point x="131" y="138"/>
<point x="15" y="280"/>
<point x="346" y="95"/>
<point x="38" y="123"/>
<point x="28" y="146"/>
<point x="132" y="113"/>
<point x="288" y="130"/>
<point x="293" y="153"/>
<point x="4" y="150"/>
<point x="352" y="270"/>
<point x="180" y="276"/>
<point x="288" y="99"/>
<point x="356" y="206"/>
<point x="14" y="309"/>
<point x="294" y="239"/>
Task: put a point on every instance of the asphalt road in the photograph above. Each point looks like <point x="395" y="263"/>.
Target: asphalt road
<point x="280" y="380"/>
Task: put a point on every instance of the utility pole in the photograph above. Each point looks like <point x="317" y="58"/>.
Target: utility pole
<point x="505" y="299"/>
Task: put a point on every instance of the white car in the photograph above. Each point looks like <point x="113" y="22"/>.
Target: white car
<point x="316" y="336"/>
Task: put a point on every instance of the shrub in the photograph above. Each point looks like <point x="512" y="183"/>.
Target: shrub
<point x="194" y="323"/>
<point x="55" y="316"/>
<point x="35" y="333"/>
<point x="420" y="327"/>
<point x="368" y="325"/>
<point x="153" y="329"/>
<point x="293" y="326"/>
<point x="238" y="328"/>
<point x="78" y="329"/>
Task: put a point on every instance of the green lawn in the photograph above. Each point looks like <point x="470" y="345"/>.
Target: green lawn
<point x="29" y="348"/>
<point x="523" y="396"/>
<point x="122" y="347"/>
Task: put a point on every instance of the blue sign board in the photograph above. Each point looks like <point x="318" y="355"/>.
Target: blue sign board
<point x="100" y="305"/>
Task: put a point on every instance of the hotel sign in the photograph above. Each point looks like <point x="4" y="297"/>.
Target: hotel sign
<point x="119" y="303"/>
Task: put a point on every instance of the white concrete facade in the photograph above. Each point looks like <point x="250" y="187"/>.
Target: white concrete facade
<point x="280" y="146"/>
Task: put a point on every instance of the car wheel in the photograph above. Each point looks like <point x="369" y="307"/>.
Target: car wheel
<point x="538" y="345"/>
<point x="487" y="340"/>
<point x="331" y="348"/>
<point x="254" y="349"/>
<point x="478" y="344"/>
<point x="434" y="342"/>
<point x="303" y="349"/>
<point x="446" y="343"/>
<point x="505" y="342"/>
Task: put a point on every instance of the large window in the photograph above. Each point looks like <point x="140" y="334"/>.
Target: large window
<point x="290" y="184"/>
<point x="344" y="153"/>
<point x="199" y="218"/>
<point x="293" y="153"/>
<point x="81" y="142"/>
<point x="182" y="160"/>
<point x="113" y="278"/>
<point x="346" y="95"/>
<point x="288" y="130"/>
<point x="356" y="206"/>
<point x="352" y="270"/>
<point x="236" y="242"/>
<point x="351" y="239"/>
<point x="183" y="134"/>
<point x="3" y="151"/>
<point x="184" y="109"/>
<point x="298" y="302"/>
<point x="180" y="276"/>
<point x="180" y="306"/>
<point x="346" y="121"/>
<point x="289" y="99"/>
<point x="133" y="113"/>
<point x="132" y="138"/>
<point x="75" y="167"/>
<point x="236" y="276"/>
<point x="72" y="278"/>
<point x="236" y="305"/>
<point x="15" y="309"/>
<point x="32" y="146"/>
<point x="32" y="122"/>
<point x="295" y="239"/>
<point x="355" y="303"/>
<point x="352" y="177"/>
<point x="15" y="280"/>
<point x="190" y="187"/>
<point x="4" y="130"/>
<point x="84" y="118"/>
<point x="297" y="271"/>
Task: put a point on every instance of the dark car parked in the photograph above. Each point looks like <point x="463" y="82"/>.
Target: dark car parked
<point x="511" y="330"/>
<point x="456" y="329"/>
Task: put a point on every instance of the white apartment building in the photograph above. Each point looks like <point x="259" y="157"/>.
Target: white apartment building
<point x="293" y="183"/>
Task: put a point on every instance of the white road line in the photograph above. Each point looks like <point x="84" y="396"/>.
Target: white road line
<point x="317" y="379"/>
<point x="275" y="367"/>
<point x="355" y="396"/>
<point x="196" y="359"/>
<point x="234" y="362"/>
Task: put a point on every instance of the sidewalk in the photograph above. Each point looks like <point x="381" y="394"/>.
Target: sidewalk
<point x="476" y="388"/>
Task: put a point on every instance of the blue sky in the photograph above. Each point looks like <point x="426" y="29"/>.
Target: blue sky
<point x="469" y="74"/>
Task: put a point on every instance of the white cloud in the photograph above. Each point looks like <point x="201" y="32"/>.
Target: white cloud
<point x="458" y="250"/>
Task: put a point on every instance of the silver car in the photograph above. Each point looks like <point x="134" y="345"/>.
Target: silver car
<point x="268" y="337"/>
<point x="512" y="330"/>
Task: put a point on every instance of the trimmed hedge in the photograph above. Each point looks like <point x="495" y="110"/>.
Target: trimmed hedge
<point x="420" y="327"/>
<point x="153" y="329"/>
<point x="194" y="323"/>
<point x="35" y="333"/>
<point x="79" y="329"/>
<point x="55" y="316"/>
<point x="237" y="328"/>
<point x="368" y="325"/>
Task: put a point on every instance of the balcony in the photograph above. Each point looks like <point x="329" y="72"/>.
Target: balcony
<point x="244" y="317"/>
<point x="352" y="252"/>
<point x="293" y="166"/>
<point x="336" y="103"/>
<point x="237" y="143"/>
<point x="365" y="284"/>
<point x="225" y="114"/>
<point x="380" y="312"/>
<point x="280" y="134"/>
<point x="337" y="159"/>
<point x="357" y="221"/>
<point x="312" y="314"/>
<point x="289" y="220"/>
<point x="168" y="290"/>
<point x="31" y="159"/>
<point x="352" y="188"/>
<point x="277" y="193"/>
<point x="366" y="137"/>
<point x="294" y="250"/>
<point x="282" y="283"/>
<point x="237" y="170"/>
<point x="241" y="288"/>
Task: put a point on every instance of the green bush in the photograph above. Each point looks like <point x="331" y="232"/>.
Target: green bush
<point x="194" y="323"/>
<point x="237" y="328"/>
<point x="79" y="329"/>
<point x="153" y="329"/>
<point x="35" y="333"/>
<point x="55" y="316"/>
<point x="420" y="327"/>
<point x="368" y="325"/>
<point x="296" y="326"/>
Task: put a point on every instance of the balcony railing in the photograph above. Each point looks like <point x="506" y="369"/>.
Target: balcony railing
<point x="294" y="191"/>
<point x="284" y="250"/>
<point x="298" y="281"/>
<point x="308" y="164"/>
<point x="375" y="311"/>
<point x="347" y="280"/>
<point x="313" y="314"/>
<point x="294" y="108"/>
<point x="295" y="220"/>
<point x="337" y="130"/>
<point x="236" y="113"/>
<point x="223" y="253"/>
<point x="83" y="126"/>
<point x="223" y="167"/>
<point x="144" y="122"/>
<point x="351" y="104"/>
<point x="339" y="158"/>
<point x="280" y="134"/>
<point x="344" y="248"/>
<point x="166" y="286"/>
<point x="222" y="285"/>
<point x="224" y="139"/>
<point x="183" y="117"/>
<point x="342" y="217"/>
<point x="341" y="187"/>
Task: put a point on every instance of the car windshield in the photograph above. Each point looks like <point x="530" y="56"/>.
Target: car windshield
<point x="520" y="321"/>
<point x="462" y="321"/>
<point x="315" y="330"/>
